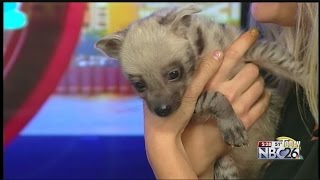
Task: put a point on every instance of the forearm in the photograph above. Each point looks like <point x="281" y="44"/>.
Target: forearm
<point x="168" y="158"/>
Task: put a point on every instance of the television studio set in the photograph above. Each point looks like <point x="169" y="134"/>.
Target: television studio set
<point x="69" y="112"/>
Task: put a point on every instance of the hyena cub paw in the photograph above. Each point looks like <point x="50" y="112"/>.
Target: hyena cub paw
<point x="234" y="133"/>
<point x="230" y="125"/>
<point x="218" y="106"/>
<point x="203" y="107"/>
<point x="202" y="104"/>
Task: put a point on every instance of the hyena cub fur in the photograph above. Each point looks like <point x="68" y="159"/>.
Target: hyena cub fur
<point x="159" y="55"/>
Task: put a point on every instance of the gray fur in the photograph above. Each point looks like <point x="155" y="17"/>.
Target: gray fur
<point x="225" y="168"/>
<point x="213" y="104"/>
<point x="174" y="38"/>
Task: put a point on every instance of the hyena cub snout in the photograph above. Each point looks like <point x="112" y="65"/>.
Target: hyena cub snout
<point x="164" y="105"/>
<point x="163" y="110"/>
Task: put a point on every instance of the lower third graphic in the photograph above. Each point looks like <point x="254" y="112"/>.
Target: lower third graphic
<point x="285" y="148"/>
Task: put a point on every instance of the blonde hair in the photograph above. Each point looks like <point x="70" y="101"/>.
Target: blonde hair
<point x="302" y="41"/>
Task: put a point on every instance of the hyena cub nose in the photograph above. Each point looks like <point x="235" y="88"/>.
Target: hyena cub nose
<point x="163" y="110"/>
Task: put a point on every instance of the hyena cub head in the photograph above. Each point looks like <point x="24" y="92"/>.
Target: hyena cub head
<point x="156" y="56"/>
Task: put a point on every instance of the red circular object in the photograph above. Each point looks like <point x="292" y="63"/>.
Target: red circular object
<point x="58" y="61"/>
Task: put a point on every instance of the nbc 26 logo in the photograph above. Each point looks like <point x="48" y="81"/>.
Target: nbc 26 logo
<point x="284" y="148"/>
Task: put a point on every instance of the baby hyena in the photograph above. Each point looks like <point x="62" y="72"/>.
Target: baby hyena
<point x="159" y="55"/>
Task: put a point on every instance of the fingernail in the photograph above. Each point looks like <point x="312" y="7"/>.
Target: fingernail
<point x="254" y="32"/>
<point x="217" y="55"/>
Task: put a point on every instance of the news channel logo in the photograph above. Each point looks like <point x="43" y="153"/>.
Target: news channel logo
<point x="284" y="148"/>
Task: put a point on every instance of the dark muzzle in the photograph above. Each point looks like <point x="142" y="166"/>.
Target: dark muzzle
<point x="163" y="110"/>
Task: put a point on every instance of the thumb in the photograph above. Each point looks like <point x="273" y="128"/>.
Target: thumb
<point x="208" y="67"/>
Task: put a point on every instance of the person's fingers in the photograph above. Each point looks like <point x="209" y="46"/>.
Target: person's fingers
<point x="234" y="54"/>
<point x="245" y="78"/>
<point x="246" y="100"/>
<point x="257" y="110"/>
<point x="208" y="67"/>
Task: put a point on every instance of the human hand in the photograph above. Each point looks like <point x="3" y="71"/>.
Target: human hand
<point x="203" y="144"/>
<point x="202" y="141"/>
<point x="245" y="91"/>
<point x="163" y="134"/>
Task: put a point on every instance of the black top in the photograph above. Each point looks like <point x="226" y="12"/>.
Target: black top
<point x="292" y="126"/>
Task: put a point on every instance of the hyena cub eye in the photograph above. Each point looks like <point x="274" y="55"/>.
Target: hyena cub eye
<point x="140" y="86"/>
<point x="174" y="75"/>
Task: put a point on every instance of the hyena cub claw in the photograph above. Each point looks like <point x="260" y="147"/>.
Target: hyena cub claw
<point x="235" y="134"/>
<point x="215" y="103"/>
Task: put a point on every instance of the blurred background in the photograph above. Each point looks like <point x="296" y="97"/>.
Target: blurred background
<point x="69" y="113"/>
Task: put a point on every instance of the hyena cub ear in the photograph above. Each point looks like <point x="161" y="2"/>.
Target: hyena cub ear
<point x="182" y="18"/>
<point x="111" y="45"/>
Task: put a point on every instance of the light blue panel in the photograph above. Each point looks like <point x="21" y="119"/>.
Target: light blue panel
<point x="8" y="6"/>
<point x="13" y="18"/>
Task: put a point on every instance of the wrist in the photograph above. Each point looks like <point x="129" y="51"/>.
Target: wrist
<point x="156" y="137"/>
<point x="168" y="158"/>
<point x="156" y="140"/>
